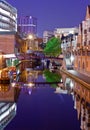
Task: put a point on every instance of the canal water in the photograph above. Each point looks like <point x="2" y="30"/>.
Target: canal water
<point x="43" y="100"/>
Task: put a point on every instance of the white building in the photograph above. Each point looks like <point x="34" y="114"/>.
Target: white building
<point x="69" y="43"/>
<point x="8" y="17"/>
<point x="47" y="35"/>
<point x="65" y="31"/>
<point x="7" y="113"/>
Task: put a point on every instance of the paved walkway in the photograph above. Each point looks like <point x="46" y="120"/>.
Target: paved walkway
<point x="79" y="76"/>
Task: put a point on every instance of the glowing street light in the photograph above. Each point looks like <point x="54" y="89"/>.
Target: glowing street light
<point x="30" y="36"/>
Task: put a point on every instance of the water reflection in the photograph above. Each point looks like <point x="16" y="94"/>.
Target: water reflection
<point x="8" y="107"/>
<point x="52" y="77"/>
<point x="81" y="97"/>
<point x="7" y="113"/>
<point x="44" y="88"/>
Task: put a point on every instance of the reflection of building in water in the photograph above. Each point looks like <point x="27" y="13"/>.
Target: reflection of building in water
<point x="82" y="105"/>
<point x="7" y="113"/>
<point x="62" y="91"/>
<point x="68" y="84"/>
<point x="4" y="87"/>
<point x="8" y="93"/>
<point x="29" y="75"/>
<point x="81" y="101"/>
<point x="31" y="64"/>
<point x="8" y="97"/>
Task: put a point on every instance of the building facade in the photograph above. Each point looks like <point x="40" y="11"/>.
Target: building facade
<point x="82" y="53"/>
<point x="58" y="32"/>
<point x="81" y="100"/>
<point x="27" y="25"/>
<point x="8" y="17"/>
<point x="7" y="113"/>
<point x="47" y="35"/>
<point x="68" y="45"/>
<point x="8" y="27"/>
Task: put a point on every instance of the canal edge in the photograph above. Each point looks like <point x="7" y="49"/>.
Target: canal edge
<point x="76" y="79"/>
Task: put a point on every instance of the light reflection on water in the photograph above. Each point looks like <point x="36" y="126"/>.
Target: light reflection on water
<point x="63" y="105"/>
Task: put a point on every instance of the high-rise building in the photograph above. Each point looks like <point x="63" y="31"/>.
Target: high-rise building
<point x="8" y="27"/>
<point x="7" y="113"/>
<point x="27" y="25"/>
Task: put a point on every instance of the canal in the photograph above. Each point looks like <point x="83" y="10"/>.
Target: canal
<point x="43" y="99"/>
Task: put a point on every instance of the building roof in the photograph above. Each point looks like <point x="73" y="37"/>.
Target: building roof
<point x="87" y="12"/>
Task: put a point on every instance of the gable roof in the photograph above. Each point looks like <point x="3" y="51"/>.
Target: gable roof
<point x="87" y="12"/>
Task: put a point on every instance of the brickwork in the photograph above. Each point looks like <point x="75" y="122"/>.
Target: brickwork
<point x="7" y="43"/>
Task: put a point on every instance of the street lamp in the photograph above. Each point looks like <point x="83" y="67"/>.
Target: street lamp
<point x="30" y="37"/>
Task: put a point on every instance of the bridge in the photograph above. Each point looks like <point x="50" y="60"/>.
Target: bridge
<point x="23" y="56"/>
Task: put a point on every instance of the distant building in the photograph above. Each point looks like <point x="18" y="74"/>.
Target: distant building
<point x="47" y="35"/>
<point x="58" y="32"/>
<point x="27" y="25"/>
<point x="25" y="45"/>
<point x="69" y="42"/>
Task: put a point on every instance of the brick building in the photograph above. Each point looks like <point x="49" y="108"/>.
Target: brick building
<point x="7" y="43"/>
<point x="82" y="53"/>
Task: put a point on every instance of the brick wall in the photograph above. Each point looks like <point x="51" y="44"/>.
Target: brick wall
<point x="7" y="43"/>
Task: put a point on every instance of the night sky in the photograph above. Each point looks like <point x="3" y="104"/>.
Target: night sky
<point x="51" y="14"/>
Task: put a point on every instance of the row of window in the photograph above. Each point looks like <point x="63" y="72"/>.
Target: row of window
<point x="8" y="14"/>
<point x="4" y="18"/>
<point x="86" y="30"/>
<point x="86" y="43"/>
<point x="83" y="53"/>
<point x="7" y="26"/>
<point x="7" y="6"/>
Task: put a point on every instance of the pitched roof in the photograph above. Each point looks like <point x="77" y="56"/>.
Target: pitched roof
<point x="87" y="12"/>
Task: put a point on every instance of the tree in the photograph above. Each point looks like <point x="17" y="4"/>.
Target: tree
<point x="53" y="47"/>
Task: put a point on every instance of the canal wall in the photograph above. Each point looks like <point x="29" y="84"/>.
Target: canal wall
<point x="76" y="78"/>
